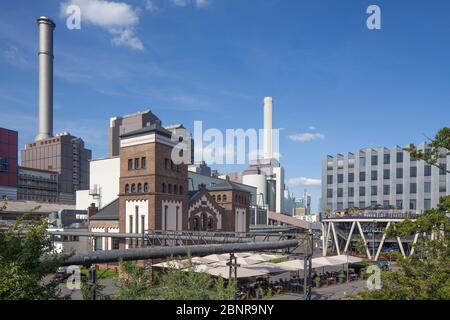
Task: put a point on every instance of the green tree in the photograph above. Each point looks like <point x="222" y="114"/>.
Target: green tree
<point x="26" y="261"/>
<point x="439" y="146"/>
<point x="133" y="283"/>
<point x="424" y="275"/>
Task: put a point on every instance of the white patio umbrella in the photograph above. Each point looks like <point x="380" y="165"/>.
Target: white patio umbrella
<point x="242" y="272"/>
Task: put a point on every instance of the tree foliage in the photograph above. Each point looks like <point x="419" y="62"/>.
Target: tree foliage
<point x="26" y="260"/>
<point x="424" y="275"/>
<point x="439" y="146"/>
<point x="134" y="283"/>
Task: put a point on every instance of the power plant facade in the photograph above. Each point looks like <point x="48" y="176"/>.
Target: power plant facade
<point x="266" y="174"/>
<point x="62" y="153"/>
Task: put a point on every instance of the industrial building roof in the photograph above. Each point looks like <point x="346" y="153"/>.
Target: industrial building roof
<point x="227" y="185"/>
<point x="109" y="212"/>
<point x="155" y="127"/>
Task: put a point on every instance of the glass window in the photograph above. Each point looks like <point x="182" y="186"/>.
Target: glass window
<point x="330" y="193"/>
<point x="362" y="161"/>
<point x="362" y="204"/>
<point x="427" y="187"/>
<point x="139" y="188"/>
<point x="386" y="203"/>
<point x="442" y="169"/>
<point x="181" y="190"/>
<point x="340" y="192"/>
<point x="169" y="188"/>
<point x="374" y="160"/>
<point x="374" y="190"/>
<point x="330" y="179"/>
<point x="127" y="188"/>
<point x="136" y="163"/>
<point x="164" y="188"/>
<point x="362" y="191"/>
<point x="386" y="174"/>
<point x="362" y="176"/>
<point x="130" y="164"/>
<point x="386" y="189"/>
<point x="351" y="204"/>
<point x="399" y="204"/>
<point x="413" y="188"/>
<point x="133" y="188"/>
<point x="351" y="192"/>
<point x="413" y="172"/>
<point x="399" y="173"/>
<point x="146" y="187"/>
<point x="399" y="189"/>
<point x="351" y="177"/>
<point x="374" y="175"/>
<point x="175" y="189"/>
<point x="340" y="178"/>
<point x="399" y="157"/>
<point x="427" y="204"/>
<point x="98" y="244"/>
<point x="167" y="163"/>
<point x="412" y="204"/>
<point x="143" y="162"/>
<point x="427" y="171"/>
<point x="387" y="158"/>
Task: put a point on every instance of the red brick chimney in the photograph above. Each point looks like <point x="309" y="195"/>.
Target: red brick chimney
<point x="91" y="210"/>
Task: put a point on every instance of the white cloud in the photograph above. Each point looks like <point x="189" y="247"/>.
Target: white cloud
<point x="14" y="56"/>
<point x="302" y="181"/>
<point x="118" y="18"/>
<point x="150" y="6"/>
<point x="184" y="3"/>
<point x="307" y="136"/>
<point x="312" y="128"/>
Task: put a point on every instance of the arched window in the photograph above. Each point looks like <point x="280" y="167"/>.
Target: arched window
<point x="139" y="188"/>
<point x="181" y="190"/>
<point x="175" y="189"/>
<point x="170" y="188"/>
<point x="210" y="223"/>
<point x="133" y="188"/>
<point x="224" y="198"/>
<point x="146" y="187"/>
<point x="219" y="198"/>
<point x="214" y="197"/>
<point x="164" y="188"/>
<point x="196" y="224"/>
<point x="127" y="188"/>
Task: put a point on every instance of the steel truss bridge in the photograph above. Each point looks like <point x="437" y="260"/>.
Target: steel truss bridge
<point x="342" y="230"/>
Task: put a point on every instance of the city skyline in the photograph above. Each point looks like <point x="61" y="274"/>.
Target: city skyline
<point x="380" y="83"/>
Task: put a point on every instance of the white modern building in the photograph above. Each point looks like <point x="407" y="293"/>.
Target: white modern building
<point x="103" y="184"/>
<point x="383" y="177"/>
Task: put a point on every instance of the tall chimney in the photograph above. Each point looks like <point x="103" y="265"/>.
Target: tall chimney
<point x="268" y="136"/>
<point x="46" y="27"/>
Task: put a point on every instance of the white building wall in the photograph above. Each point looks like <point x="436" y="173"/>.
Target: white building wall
<point x="135" y="211"/>
<point x="172" y="215"/>
<point x="104" y="177"/>
<point x="436" y="179"/>
<point x="240" y="220"/>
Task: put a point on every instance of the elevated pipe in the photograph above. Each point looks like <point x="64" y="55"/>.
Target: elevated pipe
<point x="178" y="251"/>
<point x="148" y="236"/>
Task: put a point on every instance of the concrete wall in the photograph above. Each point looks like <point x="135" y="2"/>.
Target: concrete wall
<point x="104" y="178"/>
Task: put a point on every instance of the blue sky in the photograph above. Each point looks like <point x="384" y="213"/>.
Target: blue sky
<point x="214" y="60"/>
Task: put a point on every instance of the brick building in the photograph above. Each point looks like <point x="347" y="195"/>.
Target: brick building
<point x="153" y="190"/>
<point x="8" y="164"/>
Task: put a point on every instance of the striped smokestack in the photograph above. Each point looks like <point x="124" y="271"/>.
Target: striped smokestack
<point x="46" y="27"/>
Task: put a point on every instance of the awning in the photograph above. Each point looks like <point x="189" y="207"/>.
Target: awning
<point x="242" y="272"/>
